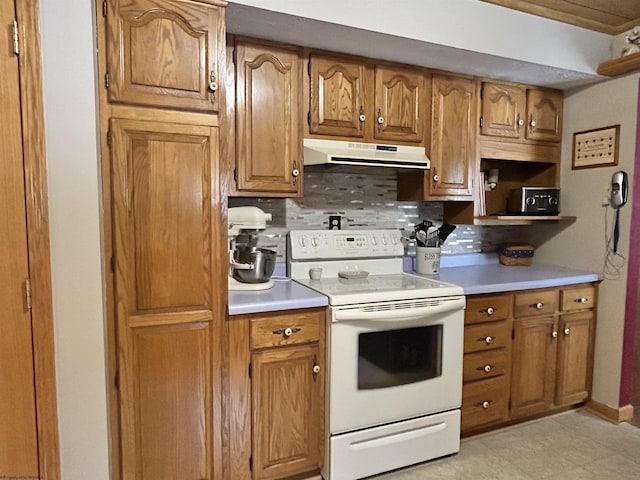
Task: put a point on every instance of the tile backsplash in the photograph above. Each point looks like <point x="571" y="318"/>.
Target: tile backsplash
<point x="364" y="198"/>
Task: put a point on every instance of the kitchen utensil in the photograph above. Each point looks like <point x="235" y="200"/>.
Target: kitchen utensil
<point x="421" y="238"/>
<point x="262" y="259"/>
<point x="445" y="231"/>
<point x="432" y="237"/>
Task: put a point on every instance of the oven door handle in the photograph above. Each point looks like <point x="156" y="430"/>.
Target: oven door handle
<point x="401" y="312"/>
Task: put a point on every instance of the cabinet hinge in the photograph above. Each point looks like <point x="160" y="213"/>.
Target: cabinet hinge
<point x="251" y="463"/>
<point x="104" y="8"/>
<point x="27" y="293"/>
<point x="249" y="370"/>
<point x="481" y="93"/>
<point x="234" y="56"/>
<point x="109" y="139"/>
<point x="481" y="122"/>
<point x="116" y="380"/>
<point x="106" y="80"/>
<point x="113" y="264"/>
<point x="309" y="68"/>
<point x="16" y="38"/>
<point x="235" y="175"/>
<point x="309" y="117"/>
<point x="513" y="334"/>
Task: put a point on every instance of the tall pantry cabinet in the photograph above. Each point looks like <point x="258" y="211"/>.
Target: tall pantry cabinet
<point x="164" y="213"/>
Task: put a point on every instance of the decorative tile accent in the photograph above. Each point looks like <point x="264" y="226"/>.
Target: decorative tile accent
<point x="364" y="197"/>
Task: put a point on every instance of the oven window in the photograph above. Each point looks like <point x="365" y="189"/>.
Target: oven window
<point x="399" y="357"/>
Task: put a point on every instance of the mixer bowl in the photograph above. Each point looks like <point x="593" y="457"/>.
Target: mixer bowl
<point x="263" y="260"/>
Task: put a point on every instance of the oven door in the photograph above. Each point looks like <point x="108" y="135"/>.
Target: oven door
<point x="392" y="361"/>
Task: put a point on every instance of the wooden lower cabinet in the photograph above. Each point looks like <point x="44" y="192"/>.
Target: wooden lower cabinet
<point x="276" y="413"/>
<point x="545" y="364"/>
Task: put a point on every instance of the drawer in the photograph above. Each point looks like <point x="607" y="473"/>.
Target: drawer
<point x="287" y="330"/>
<point x="577" y="298"/>
<point x="481" y="365"/>
<point x="486" y="336"/>
<point x="535" y="303"/>
<point x="487" y="308"/>
<point x="484" y="402"/>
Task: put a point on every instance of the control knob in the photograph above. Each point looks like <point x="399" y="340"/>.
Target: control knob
<point x="530" y="201"/>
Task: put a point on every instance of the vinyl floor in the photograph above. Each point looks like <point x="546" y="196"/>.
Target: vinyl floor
<point x="575" y="445"/>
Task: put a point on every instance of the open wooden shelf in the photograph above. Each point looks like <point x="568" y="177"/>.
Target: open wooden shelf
<point x="520" y="219"/>
<point x="620" y="66"/>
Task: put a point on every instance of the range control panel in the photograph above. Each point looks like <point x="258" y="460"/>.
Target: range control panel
<point x="338" y="244"/>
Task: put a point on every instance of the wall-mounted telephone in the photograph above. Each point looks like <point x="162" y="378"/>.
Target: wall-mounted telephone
<point x="619" y="189"/>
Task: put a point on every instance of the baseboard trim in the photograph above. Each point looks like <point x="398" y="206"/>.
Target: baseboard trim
<point x="614" y="415"/>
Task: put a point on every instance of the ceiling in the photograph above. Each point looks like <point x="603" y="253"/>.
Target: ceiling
<point x="606" y="16"/>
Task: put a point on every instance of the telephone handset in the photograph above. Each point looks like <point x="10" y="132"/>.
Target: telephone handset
<point x="619" y="189"/>
<point x="619" y="193"/>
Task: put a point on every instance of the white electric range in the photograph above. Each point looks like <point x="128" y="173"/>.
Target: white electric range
<point x="395" y="345"/>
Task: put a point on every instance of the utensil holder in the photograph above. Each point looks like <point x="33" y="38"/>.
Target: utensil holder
<point x="428" y="260"/>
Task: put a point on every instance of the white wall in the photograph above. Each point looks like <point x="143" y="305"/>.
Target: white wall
<point x="582" y="244"/>
<point x="74" y="206"/>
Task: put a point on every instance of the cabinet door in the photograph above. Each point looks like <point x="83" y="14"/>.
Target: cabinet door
<point x="268" y="120"/>
<point x="503" y="110"/>
<point x="400" y="105"/>
<point x="453" y="136"/>
<point x="167" y="231"/>
<point x="164" y="53"/>
<point x="287" y="411"/>
<point x="544" y="110"/>
<point x="534" y="357"/>
<point x="574" y="372"/>
<point x="338" y="90"/>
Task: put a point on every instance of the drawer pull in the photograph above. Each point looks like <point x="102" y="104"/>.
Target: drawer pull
<point x="487" y="368"/>
<point x="538" y="305"/>
<point x="487" y="340"/>
<point x="486" y="404"/>
<point x="489" y="311"/>
<point x="287" y="332"/>
<point x="581" y="300"/>
<point x="566" y="331"/>
<point x="554" y="334"/>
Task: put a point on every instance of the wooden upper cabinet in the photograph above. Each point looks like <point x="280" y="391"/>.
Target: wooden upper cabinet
<point x="165" y="53"/>
<point x="338" y="89"/>
<point x="503" y="110"/>
<point x="544" y="110"/>
<point x="453" y="137"/>
<point x="167" y="237"/>
<point x="269" y="104"/>
<point x="522" y="113"/>
<point x="400" y="104"/>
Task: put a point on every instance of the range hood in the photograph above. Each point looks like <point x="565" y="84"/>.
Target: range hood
<point x="333" y="152"/>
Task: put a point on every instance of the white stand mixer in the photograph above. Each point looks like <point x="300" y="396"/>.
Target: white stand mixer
<point x="245" y="222"/>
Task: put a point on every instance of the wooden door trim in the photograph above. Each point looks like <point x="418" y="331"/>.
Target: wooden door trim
<point x="36" y="202"/>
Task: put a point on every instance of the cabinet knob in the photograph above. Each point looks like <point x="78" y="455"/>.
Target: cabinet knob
<point x="436" y="178"/>
<point x="533" y="123"/>
<point x="566" y="331"/>
<point x="288" y="332"/>
<point x="487" y="340"/>
<point x="539" y="305"/>
<point x="520" y="122"/>
<point x="488" y="368"/>
<point x="295" y="172"/>
<point x="486" y="404"/>
<point x="554" y="334"/>
<point x="362" y="117"/>
<point x="380" y="117"/>
<point x="213" y="85"/>
<point x="490" y="311"/>
<point x="581" y="300"/>
<point x="316" y="369"/>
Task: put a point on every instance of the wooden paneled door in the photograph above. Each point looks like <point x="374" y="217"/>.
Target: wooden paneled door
<point x="167" y="246"/>
<point x="503" y="110"/>
<point x="401" y="104"/>
<point x="338" y="104"/>
<point x="28" y="418"/>
<point x="18" y="434"/>
<point x="269" y="154"/>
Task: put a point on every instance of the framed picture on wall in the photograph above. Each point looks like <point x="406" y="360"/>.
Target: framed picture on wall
<point x="596" y="148"/>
